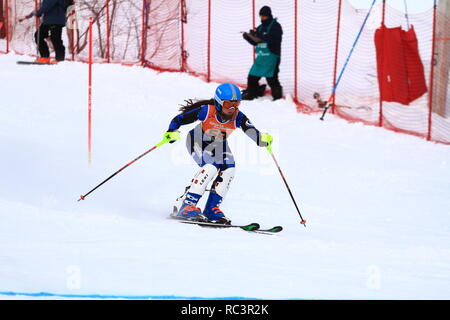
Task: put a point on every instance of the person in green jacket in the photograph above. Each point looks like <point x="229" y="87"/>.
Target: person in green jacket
<point x="267" y="39"/>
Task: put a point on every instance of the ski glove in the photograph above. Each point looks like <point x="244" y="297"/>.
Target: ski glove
<point x="266" y="140"/>
<point x="171" y="137"/>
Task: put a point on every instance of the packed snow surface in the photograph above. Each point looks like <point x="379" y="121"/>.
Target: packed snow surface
<point x="376" y="202"/>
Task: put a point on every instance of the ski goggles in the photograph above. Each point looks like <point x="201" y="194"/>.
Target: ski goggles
<point x="231" y="105"/>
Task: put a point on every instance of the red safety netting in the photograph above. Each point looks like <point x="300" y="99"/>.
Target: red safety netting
<point x="4" y="26"/>
<point x="361" y="81"/>
<point x="203" y="37"/>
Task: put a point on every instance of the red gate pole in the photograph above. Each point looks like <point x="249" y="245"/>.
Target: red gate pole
<point x="90" y="94"/>
<point x="430" y="94"/>
<point x="380" y="119"/>
<point x="108" y="33"/>
<point x="208" y="76"/>
<point x="336" y="52"/>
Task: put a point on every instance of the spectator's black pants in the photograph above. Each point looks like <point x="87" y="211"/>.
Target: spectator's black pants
<point x="274" y="84"/>
<point x="55" y="34"/>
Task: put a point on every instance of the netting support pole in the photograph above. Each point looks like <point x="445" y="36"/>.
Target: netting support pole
<point x="36" y="19"/>
<point x="208" y="73"/>
<point x="430" y="91"/>
<point x="7" y="25"/>
<point x="296" y="51"/>
<point x="336" y="52"/>
<point x="182" y="20"/>
<point x="380" y="119"/>
<point x="72" y="34"/>
<point x="143" y="49"/>
<point x="36" y="7"/>
<point x="108" y="34"/>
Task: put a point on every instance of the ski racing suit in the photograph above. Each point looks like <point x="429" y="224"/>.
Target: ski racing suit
<point x="208" y="146"/>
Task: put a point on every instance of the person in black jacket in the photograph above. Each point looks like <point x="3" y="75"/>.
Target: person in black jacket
<point x="267" y="39"/>
<point x="54" y="12"/>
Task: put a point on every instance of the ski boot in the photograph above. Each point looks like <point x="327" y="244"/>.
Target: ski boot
<point x="43" y="60"/>
<point x="217" y="216"/>
<point x="253" y="94"/>
<point x="188" y="209"/>
<point x="212" y="211"/>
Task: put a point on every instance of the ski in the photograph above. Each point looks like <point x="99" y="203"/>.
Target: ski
<point x="272" y="230"/>
<point x="246" y="227"/>
<point x="251" y="227"/>
<point x="33" y="63"/>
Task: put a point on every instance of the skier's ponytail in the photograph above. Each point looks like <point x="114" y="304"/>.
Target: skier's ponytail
<point x="190" y="104"/>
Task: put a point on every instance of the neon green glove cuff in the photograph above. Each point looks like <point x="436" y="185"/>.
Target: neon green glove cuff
<point x="268" y="139"/>
<point x="170" y="137"/>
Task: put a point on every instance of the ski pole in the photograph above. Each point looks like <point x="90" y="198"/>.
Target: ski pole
<point x="165" y="140"/>
<point x="330" y="99"/>
<point x="269" y="148"/>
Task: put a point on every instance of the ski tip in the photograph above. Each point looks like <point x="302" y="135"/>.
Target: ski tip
<point x="276" y="229"/>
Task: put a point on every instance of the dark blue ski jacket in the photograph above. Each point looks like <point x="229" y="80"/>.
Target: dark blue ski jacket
<point x="54" y="12"/>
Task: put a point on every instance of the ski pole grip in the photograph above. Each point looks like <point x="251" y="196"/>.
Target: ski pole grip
<point x="169" y="137"/>
<point x="162" y="142"/>
<point x="267" y="138"/>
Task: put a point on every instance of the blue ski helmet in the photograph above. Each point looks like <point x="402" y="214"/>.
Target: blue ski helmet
<point x="226" y="91"/>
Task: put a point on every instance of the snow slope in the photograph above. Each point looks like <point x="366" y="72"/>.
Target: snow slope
<point x="377" y="203"/>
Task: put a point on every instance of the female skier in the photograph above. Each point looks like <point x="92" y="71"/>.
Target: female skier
<point x="208" y="146"/>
